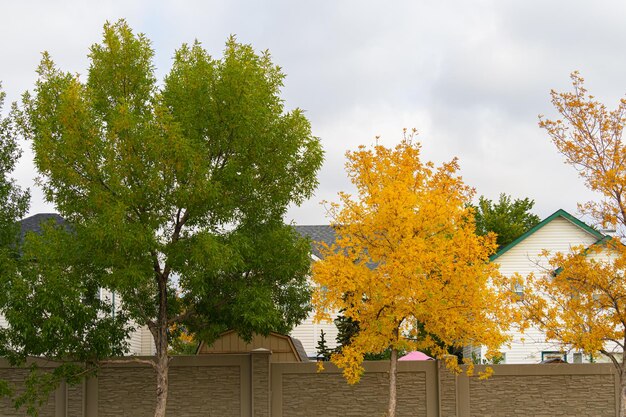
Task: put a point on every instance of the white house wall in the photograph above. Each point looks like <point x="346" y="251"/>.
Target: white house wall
<point x="147" y="342"/>
<point x="559" y="235"/>
<point x="138" y="345"/>
<point x="308" y="333"/>
<point x="136" y="340"/>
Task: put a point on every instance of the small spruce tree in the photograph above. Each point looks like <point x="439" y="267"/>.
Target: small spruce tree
<point x="347" y="328"/>
<point x="323" y="351"/>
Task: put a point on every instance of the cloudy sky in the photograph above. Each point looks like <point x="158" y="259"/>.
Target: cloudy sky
<point x="471" y="76"/>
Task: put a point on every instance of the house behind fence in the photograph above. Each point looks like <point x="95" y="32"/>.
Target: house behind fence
<point x="251" y="385"/>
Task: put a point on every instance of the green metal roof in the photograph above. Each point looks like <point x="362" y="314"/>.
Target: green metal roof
<point x="559" y="213"/>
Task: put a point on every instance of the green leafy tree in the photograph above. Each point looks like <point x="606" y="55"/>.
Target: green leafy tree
<point x="13" y="205"/>
<point x="13" y="200"/>
<point x="507" y="218"/>
<point x="179" y="187"/>
<point x="52" y="304"/>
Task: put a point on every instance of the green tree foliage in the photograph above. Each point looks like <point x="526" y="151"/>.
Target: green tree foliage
<point x="13" y="200"/>
<point x="51" y="302"/>
<point x="179" y="187"/>
<point x="347" y="328"/>
<point x="507" y="218"/>
<point x="13" y="205"/>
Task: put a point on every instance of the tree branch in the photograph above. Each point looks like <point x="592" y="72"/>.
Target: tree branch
<point x="129" y="359"/>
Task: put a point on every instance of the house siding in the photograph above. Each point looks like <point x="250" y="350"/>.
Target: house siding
<point x="135" y="339"/>
<point x="147" y="342"/>
<point x="308" y="332"/>
<point x="559" y="235"/>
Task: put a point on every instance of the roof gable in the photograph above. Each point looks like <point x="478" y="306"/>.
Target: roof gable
<point x="558" y="214"/>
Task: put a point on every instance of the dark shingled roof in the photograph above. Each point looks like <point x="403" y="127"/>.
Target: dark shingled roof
<point x="318" y="234"/>
<point x="33" y="223"/>
<point x="299" y="349"/>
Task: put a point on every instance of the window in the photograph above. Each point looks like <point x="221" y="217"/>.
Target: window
<point x="578" y="357"/>
<point x="519" y="290"/>
<point x="553" y="356"/>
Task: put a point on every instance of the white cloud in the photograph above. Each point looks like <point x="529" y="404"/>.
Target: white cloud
<point x="470" y="76"/>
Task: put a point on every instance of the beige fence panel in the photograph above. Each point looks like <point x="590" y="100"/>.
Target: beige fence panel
<point x="251" y="385"/>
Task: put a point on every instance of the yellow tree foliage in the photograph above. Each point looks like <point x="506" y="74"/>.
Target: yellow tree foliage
<point x="589" y="136"/>
<point x="583" y="305"/>
<point x="182" y="341"/>
<point x="407" y="263"/>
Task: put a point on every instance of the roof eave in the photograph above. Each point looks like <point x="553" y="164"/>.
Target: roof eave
<point x="559" y="213"/>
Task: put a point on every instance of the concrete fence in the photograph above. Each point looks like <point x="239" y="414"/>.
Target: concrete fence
<point x="248" y="385"/>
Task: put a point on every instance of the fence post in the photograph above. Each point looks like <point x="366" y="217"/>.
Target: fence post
<point x="60" y="400"/>
<point x="260" y="382"/>
<point x="462" y="395"/>
<point x="447" y="390"/>
<point x="618" y="391"/>
<point x="90" y="396"/>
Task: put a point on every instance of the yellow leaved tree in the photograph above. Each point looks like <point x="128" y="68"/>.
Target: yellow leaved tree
<point x="581" y="303"/>
<point x="407" y="264"/>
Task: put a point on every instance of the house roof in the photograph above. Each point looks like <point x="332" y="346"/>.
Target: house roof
<point x="325" y="233"/>
<point x="558" y="214"/>
<point x="318" y="234"/>
<point x="230" y="342"/>
<point x="33" y="223"/>
<point x="297" y="344"/>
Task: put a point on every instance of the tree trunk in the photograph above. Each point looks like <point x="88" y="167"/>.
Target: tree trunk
<point x="622" y="399"/>
<point x="162" y="358"/>
<point x="162" y="371"/>
<point x="159" y="332"/>
<point x="622" y="385"/>
<point x="393" y="376"/>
